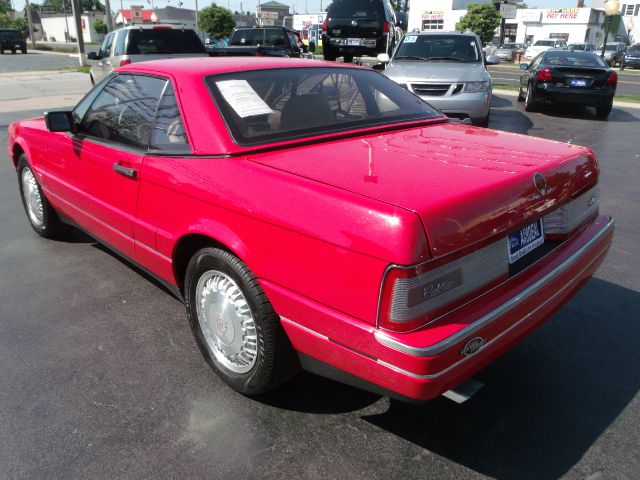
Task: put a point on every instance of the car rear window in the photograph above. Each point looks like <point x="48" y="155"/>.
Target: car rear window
<point x="8" y="34"/>
<point x="574" y="59"/>
<point x="356" y="9"/>
<point x="544" y="43"/>
<point x="257" y="36"/>
<point x="263" y="106"/>
<point x="163" y="41"/>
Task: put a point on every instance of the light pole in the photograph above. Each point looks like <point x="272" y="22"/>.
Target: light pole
<point x="629" y="26"/>
<point x="611" y="8"/>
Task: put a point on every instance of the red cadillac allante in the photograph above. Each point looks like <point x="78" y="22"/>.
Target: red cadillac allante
<point x="319" y="216"/>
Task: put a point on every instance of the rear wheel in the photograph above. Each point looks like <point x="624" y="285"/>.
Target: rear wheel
<point x="329" y="54"/>
<point x="42" y="216"/>
<point x="23" y="50"/>
<point x="234" y="324"/>
<point x="529" y="99"/>
<point x="603" y="111"/>
<point x="520" y="94"/>
<point x="347" y="58"/>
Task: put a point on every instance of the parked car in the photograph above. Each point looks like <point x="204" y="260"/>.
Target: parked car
<point x="446" y="69"/>
<point x="316" y="215"/>
<point x="614" y="53"/>
<point x="631" y="57"/>
<point x="581" y="47"/>
<point x="540" y="46"/>
<point x="360" y="28"/>
<point x="263" y="42"/>
<point x="561" y="76"/>
<point x="11" y="39"/>
<point x="215" y="42"/>
<point x="489" y="49"/>
<point x="506" y="51"/>
<point x="141" y="43"/>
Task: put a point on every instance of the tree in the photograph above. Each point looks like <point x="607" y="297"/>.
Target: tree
<point x="85" y="5"/>
<point x="5" y="6"/>
<point x="482" y="19"/>
<point x="100" y="27"/>
<point x="215" y="21"/>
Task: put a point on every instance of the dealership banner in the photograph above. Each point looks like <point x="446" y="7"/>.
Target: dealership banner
<point x="566" y="15"/>
<point x="433" y="15"/>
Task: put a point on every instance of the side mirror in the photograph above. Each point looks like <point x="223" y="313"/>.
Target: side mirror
<point x="383" y="58"/>
<point x="492" y="60"/>
<point x="59" y="121"/>
<point x="524" y="66"/>
<point x="92" y="56"/>
<point x="312" y="46"/>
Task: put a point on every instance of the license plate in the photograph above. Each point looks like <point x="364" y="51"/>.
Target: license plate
<point x="525" y="240"/>
<point x="354" y="41"/>
<point x="578" y="82"/>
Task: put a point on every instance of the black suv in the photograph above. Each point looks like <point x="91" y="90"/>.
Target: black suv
<point x="11" y="39"/>
<point x="361" y="27"/>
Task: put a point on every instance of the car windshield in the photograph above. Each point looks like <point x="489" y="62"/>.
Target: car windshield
<point x="544" y="43"/>
<point x="149" y="41"/>
<point x="574" y="59"/>
<point x="458" y="48"/>
<point x="611" y="46"/>
<point x="264" y="106"/>
<point x="8" y="34"/>
<point x="509" y="46"/>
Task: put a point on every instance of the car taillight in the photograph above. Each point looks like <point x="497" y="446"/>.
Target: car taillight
<point x="544" y="75"/>
<point x="385" y="27"/>
<point x="324" y="27"/>
<point x="564" y="220"/>
<point x="414" y="296"/>
<point x="612" y="81"/>
<point x="125" y="62"/>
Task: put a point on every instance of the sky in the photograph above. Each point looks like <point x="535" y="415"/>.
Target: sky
<point x="300" y="6"/>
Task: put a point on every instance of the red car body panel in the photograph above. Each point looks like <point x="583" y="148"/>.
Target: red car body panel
<point x="320" y="223"/>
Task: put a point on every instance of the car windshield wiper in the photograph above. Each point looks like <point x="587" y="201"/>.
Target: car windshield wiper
<point x="410" y="57"/>
<point x="448" y="58"/>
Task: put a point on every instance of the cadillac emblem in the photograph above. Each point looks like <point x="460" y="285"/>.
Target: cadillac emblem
<point x="540" y="183"/>
<point x="472" y="346"/>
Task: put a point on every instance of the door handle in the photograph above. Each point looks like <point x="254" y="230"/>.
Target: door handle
<point x="126" y="171"/>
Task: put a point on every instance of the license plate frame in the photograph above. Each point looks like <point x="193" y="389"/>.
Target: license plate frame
<point x="525" y="240"/>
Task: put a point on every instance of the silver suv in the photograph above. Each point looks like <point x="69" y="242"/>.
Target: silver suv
<point x="140" y="43"/>
<point x="447" y="69"/>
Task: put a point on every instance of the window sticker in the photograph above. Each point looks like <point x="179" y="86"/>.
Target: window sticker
<point x="410" y="39"/>
<point x="242" y="98"/>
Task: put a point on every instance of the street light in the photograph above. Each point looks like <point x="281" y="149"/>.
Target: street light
<point x="611" y="8"/>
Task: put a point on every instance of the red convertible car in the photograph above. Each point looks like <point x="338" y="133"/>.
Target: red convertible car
<point x="319" y="216"/>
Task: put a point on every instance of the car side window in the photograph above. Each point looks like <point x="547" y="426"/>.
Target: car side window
<point x="107" y="43"/>
<point x="168" y="134"/>
<point x="103" y="47"/>
<point x="118" y="49"/>
<point x="124" y="110"/>
<point x="536" y="61"/>
<point x="81" y="108"/>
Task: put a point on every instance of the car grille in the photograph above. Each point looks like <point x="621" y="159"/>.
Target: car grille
<point x="435" y="89"/>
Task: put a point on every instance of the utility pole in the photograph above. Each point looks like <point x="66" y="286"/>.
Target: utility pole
<point x="197" y="18"/>
<point x="27" y="9"/>
<point x="66" y="22"/>
<point x="75" y="6"/>
<point x="107" y="7"/>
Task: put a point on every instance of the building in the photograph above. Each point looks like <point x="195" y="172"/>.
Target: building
<point x="167" y="16"/>
<point x="630" y="25"/>
<point x="62" y="28"/>
<point x="573" y="25"/>
<point x="273" y="13"/>
<point x="310" y="26"/>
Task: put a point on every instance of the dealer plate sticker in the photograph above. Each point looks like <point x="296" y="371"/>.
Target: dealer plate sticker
<point x="525" y="240"/>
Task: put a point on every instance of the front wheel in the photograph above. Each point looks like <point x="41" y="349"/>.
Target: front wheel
<point x="234" y="324"/>
<point x="529" y="99"/>
<point x="42" y="216"/>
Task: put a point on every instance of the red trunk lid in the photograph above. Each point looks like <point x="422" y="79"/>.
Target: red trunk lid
<point x="465" y="183"/>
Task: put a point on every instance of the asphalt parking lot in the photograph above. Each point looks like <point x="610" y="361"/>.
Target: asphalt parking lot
<point x="101" y="378"/>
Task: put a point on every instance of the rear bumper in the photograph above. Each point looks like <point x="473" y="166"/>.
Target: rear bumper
<point x="423" y="364"/>
<point x="340" y="45"/>
<point x="575" y="96"/>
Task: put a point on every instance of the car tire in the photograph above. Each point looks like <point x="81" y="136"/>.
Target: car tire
<point x="347" y="58"/>
<point x="93" y="82"/>
<point x="520" y="94"/>
<point x="603" y="111"/>
<point x="42" y="216"/>
<point x="529" y="99"/>
<point x="259" y="360"/>
<point x="13" y="51"/>
<point x="329" y="55"/>
<point x="23" y="50"/>
<point x="484" y="122"/>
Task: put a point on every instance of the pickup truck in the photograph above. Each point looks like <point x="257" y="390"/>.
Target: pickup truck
<point x="263" y="42"/>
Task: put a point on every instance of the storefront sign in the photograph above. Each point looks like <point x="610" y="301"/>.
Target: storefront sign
<point x="136" y="14"/>
<point x="433" y="15"/>
<point x="566" y="15"/>
<point x="530" y="15"/>
<point x="508" y="11"/>
<point x="304" y="22"/>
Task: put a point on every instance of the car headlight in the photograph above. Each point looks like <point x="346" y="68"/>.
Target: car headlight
<point x="471" y="87"/>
